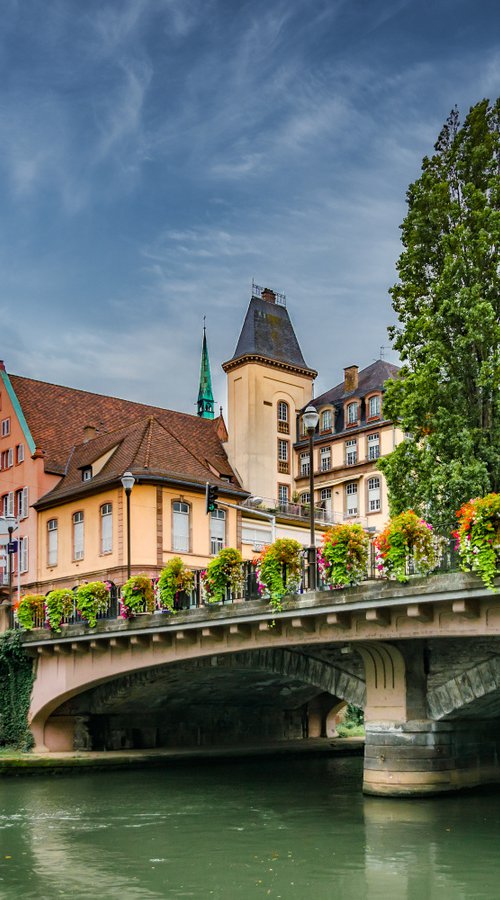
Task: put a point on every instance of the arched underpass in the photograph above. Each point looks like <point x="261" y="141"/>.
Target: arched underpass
<point x="240" y="698"/>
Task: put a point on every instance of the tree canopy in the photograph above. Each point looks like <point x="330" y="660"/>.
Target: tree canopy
<point x="447" y="302"/>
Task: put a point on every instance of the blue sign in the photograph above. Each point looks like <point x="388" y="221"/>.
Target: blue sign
<point x="12" y="546"/>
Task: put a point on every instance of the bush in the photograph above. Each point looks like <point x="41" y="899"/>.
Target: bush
<point x="222" y="574"/>
<point x="58" y="604"/>
<point x="174" y="579"/>
<point x="406" y="537"/>
<point x="478" y="537"/>
<point x="92" y="599"/>
<point x="279" y="570"/>
<point x="30" y="610"/>
<point x="343" y="558"/>
<point x="137" y="595"/>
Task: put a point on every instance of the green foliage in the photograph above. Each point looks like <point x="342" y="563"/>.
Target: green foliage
<point x="137" y="595"/>
<point x="478" y="537"/>
<point x="30" y="611"/>
<point x="279" y="570"/>
<point x="448" y="334"/>
<point x="406" y="537"/>
<point x="92" y="599"/>
<point x="222" y="574"/>
<point x="174" y="579"/>
<point x="58" y="604"/>
<point x="343" y="558"/>
<point x="16" y="679"/>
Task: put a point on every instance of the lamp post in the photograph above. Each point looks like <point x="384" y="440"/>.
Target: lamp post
<point x="310" y="419"/>
<point x="11" y="526"/>
<point x="128" y="482"/>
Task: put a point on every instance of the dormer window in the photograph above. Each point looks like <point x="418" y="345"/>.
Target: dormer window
<point x="352" y="413"/>
<point x="374" y="407"/>
<point x="87" y="473"/>
<point x="326" y="420"/>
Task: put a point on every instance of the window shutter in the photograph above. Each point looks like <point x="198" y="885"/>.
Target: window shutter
<point x="24" y="504"/>
<point x="10" y="457"/>
<point x="23" y="562"/>
<point x="10" y="503"/>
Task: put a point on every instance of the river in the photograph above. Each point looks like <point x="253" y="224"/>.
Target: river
<point x="289" y="828"/>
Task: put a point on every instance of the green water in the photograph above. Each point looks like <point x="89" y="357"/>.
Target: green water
<point x="287" y="829"/>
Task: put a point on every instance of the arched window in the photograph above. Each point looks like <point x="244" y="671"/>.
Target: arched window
<point x="374" y="494"/>
<point x="283" y="417"/>
<point x="181" y="526"/>
<point x="326" y="420"/>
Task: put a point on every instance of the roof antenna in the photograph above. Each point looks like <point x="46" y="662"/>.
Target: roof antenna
<point x="382" y="353"/>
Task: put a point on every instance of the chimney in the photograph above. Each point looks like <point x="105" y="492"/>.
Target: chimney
<point x="89" y="432"/>
<point x="350" y="379"/>
<point x="268" y="295"/>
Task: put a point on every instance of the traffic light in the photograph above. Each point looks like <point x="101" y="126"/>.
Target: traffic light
<point x="211" y="494"/>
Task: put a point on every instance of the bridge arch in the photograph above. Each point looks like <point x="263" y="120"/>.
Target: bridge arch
<point x="474" y="693"/>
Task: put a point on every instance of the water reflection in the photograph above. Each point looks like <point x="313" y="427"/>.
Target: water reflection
<point x="284" y="829"/>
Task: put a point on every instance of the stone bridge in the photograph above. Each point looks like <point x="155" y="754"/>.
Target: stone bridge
<point x="422" y="659"/>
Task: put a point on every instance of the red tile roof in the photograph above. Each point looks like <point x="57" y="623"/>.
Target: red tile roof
<point x="149" y="440"/>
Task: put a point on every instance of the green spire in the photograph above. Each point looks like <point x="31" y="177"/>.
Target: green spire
<point x="205" y="396"/>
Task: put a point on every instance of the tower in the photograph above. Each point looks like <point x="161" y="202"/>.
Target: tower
<point x="205" y="395"/>
<point x="267" y="381"/>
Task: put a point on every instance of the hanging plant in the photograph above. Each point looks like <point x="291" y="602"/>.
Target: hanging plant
<point x="30" y="611"/>
<point x="92" y="599"/>
<point x="279" y="570"/>
<point x="58" y="604"/>
<point x="343" y="558"/>
<point x="222" y="574"/>
<point x="175" y="579"/>
<point x="478" y="537"/>
<point x="406" y="537"/>
<point x="137" y="596"/>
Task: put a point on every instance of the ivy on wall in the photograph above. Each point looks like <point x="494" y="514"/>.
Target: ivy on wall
<point x="16" y="683"/>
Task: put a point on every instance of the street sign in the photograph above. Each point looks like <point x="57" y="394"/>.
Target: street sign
<point x="12" y="547"/>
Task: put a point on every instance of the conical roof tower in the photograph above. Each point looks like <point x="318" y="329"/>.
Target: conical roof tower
<point x="205" y="395"/>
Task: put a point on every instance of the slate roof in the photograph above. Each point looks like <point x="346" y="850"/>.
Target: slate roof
<point x="150" y="441"/>
<point x="268" y="332"/>
<point x="370" y="379"/>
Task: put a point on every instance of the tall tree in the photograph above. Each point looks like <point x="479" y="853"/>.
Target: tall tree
<point x="447" y="301"/>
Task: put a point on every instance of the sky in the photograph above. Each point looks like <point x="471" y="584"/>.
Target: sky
<point x="156" y="156"/>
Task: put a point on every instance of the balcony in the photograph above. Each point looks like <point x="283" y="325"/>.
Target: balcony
<point x="300" y="511"/>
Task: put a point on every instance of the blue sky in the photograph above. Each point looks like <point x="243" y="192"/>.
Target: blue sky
<point x="156" y="155"/>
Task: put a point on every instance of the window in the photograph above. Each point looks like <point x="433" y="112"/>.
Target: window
<point x="52" y="542"/>
<point x="106" y="528"/>
<point x="8" y="504"/>
<point x="304" y="464"/>
<point x="325" y="459"/>
<point x="19" y="454"/>
<point x="283" y="456"/>
<point x="23" y="554"/>
<point x="283" y="493"/>
<point x="374" y="494"/>
<point x="10" y="458"/>
<point x="351" y="452"/>
<point x="326" y="420"/>
<point x="180" y="526"/>
<point x="326" y="493"/>
<point x="6" y="459"/>
<point x="5" y="427"/>
<point x="22" y="505"/>
<point x="305" y="497"/>
<point x="78" y="535"/>
<point x="351" y="491"/>
<point x="373" y="446"/>
<point x="352" y="414"/>
<point x="87" y="473"/>
<point x="217" y="530"/>
<point x="283" y="418"/>
<point x="374" y="406"/>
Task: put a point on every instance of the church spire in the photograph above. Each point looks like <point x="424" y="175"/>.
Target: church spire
<point x="205" y="396"/>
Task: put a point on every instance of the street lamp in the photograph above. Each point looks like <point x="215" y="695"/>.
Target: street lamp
<point x="310" y="420"/>
<point x="128" y="482"/>
<point x="11" y="526"/>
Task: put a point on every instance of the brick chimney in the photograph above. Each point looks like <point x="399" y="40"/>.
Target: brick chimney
<point x="350" y="379"/>
<point x="268" y="295"/>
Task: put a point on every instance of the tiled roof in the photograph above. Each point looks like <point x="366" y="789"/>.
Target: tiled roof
<point x="370" y="379"/>
<point x="149" y="440"/>
<point x="268" y="332"/>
